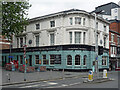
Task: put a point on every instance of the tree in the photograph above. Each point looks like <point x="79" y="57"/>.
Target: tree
<point x="14" y="18"/>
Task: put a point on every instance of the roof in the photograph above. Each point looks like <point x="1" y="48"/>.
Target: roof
<point x="64" y="13"/>
<point x="106" y="7"/>
<point x="108" y="4"/>
<point x="58" y="13"/>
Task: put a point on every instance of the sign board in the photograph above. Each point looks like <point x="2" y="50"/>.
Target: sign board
<point x="10" y="56"/>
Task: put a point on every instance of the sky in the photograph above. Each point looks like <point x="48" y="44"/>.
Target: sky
<point x="44" y="7"/>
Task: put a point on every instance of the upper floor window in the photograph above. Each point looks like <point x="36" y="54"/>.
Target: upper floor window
<point x="25" y="39"/>
<point x="104" y="41"/>
<point x="116" y="17"/>
<point x="77" y="37"/>
<point x="77" y="20"/>
<point x="104" y="28"/>
<point x="118" y="40"/>
<point x="112" y="37"/>
<point x="96" y="25"/>
<point x="84" y="35"/>
<point x="17" y="42"/>
<point x="71" y="21"/>
<point x="52" y="23"/>
<point x="37" y="26"/>
<point x="21" y="42"/>
<point x="52" y="39"/>
<point x="84" y="21"/>
<point x="37" y="40"/>
<point x="70" y="34"/>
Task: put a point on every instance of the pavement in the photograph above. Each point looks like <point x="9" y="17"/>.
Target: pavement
<point x="17" y="77"/>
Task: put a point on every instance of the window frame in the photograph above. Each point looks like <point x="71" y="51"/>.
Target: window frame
<point x="37" y="59"/>
<point x="70" y="60"/>
<point x="52" y="39"/>
<point x="77" y="38"/>
<point x="52" y="59"/>
<point x="78" y="20"/>
<point x="52" y="23"/>
<point x="45" y="61"/>
<point x="21" y="42"/>
<point x="84" y="21"/>
<point x="70" y="37"/>
<point x="85" y="59"/>
<point x="79" y="61"/>
<point x="105" y="59"/>
<point x="37" y="26"/>
<point x="37" y="41"/>
<point x="71" y="21"/>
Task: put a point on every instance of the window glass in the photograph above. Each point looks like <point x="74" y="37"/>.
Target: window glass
<point x="77" y="60"/>
<point x="69" y="60"/>
<point x="52" y="23"/>
<point x="77" y="20"/>
<point x="77" y="37"/>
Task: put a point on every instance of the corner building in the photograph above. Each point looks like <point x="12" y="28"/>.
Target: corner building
<point x="63" y="40"/>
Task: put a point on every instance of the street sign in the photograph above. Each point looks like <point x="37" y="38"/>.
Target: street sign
<point x="10" y="56"/>
<point x="96" y="58"/>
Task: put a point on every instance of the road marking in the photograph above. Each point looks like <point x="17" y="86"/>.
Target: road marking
<point x="74" y="84"/>
<point x="51" y="83"/>
<point x="29" y="86"/>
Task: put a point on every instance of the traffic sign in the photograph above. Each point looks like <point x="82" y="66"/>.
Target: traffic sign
<point x="10" y="56"/>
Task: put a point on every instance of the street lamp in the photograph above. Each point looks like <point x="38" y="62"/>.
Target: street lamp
<point x="96" y="45"/>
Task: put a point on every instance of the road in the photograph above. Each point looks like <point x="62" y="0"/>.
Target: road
<point x="76" y="82"/>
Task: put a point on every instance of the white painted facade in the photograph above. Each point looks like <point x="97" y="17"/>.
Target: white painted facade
<point x="63" y="28"/>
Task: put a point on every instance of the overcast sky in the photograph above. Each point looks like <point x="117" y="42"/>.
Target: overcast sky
<point x="44" y="7"/>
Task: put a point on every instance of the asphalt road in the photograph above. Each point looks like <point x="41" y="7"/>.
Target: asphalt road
<point x="76" y="82"/>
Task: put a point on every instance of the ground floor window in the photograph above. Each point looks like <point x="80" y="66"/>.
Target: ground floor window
<point x="55" y="59"/>
<point x="84" y="60"/>
<point x="69" y="60"/>
<point x="36" y="59"/>
<point x="45" y="61"/>
<point x="21" y="59"/>
<point x="52" y="59"/>
<point x="77" y="60"/>
<point x="104" y="60"/>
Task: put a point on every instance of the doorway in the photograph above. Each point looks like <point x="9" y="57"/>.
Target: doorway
<point x="30" y="60"/>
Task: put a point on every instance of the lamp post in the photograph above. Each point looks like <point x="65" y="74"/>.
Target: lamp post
<point x="96" y="45"/>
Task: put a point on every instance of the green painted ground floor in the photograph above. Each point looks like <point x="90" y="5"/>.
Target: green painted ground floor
<point x="56" y="58"/>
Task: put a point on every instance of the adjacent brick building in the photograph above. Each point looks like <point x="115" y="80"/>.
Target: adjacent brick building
<point x="4" y="43"/>
<point x="114" y="43"/>
<point x="111" y="12"/>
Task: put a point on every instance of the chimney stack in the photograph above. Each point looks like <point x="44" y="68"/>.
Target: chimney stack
<point x="119" y="3"/>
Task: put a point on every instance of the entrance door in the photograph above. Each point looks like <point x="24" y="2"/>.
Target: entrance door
<point x="30" y="60"/>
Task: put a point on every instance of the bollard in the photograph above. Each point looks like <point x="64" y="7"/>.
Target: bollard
<point x="104" y="73"/>
<point x="8" y="77"/>
<point x="90" y="76"/>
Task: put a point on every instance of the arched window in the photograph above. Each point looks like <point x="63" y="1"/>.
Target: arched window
<point x="69" y="60"/>
<point x="84" y="60"/>
<point x="77" y="60"/>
